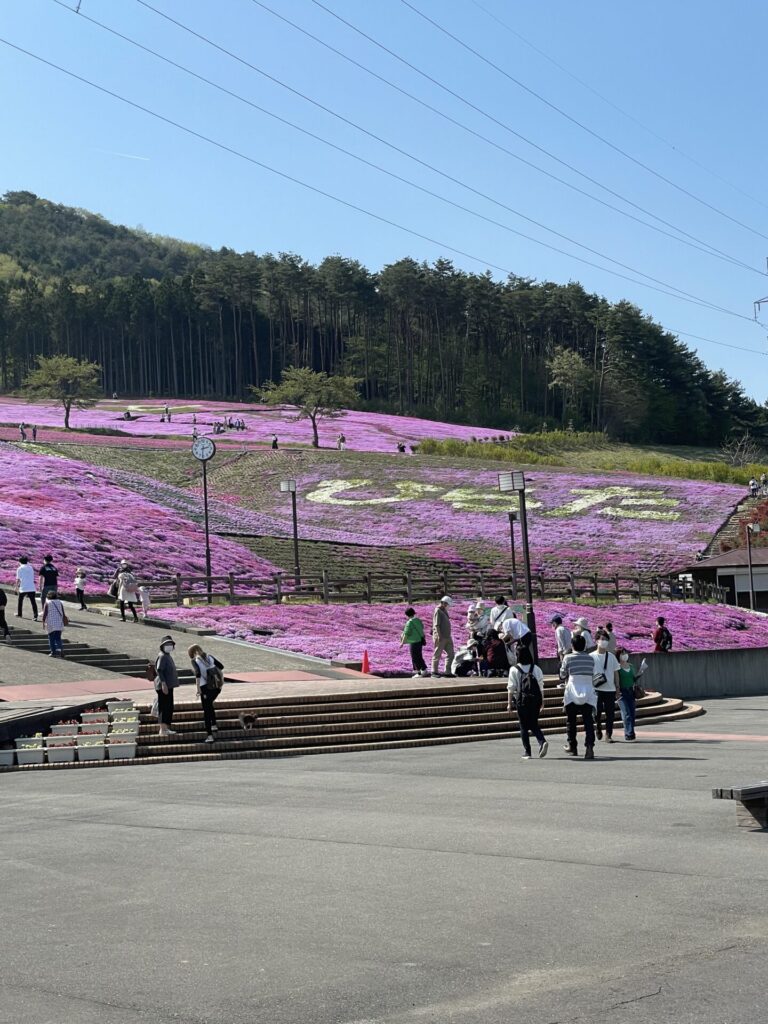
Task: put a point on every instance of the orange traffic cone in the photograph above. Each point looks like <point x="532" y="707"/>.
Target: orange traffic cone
<point x="366" y="663"/>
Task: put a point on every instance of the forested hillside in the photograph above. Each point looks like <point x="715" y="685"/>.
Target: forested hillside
<point x="168" y="318"/>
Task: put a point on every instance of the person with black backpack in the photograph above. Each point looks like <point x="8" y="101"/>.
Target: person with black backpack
<point x="661" y="636"/>
<point x="526" y="694"/>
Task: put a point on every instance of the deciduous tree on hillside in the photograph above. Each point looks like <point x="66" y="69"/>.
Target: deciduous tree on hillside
<point x="315" y="396"/>
<point x="65" y="381"/>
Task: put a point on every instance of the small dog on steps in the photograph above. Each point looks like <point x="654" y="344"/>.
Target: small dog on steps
<point x="248" y="722"/>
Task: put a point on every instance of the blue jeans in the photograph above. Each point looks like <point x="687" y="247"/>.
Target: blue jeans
<point x="627" y="709"/>
<point x="55" y="642"/>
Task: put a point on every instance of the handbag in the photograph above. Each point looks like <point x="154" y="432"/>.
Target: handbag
<point x="638" y="691"/>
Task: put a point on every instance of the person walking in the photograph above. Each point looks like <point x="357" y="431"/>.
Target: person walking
<point x="80" y="579"/>
<point x="606" y="682"/>
<point x="525" y="691"/>
<point x="210" y="680"/>
<point x="661" y="636"/>
<point x="3" y="623"/>
<point x="627" y="682"/>
<point x="22" y="432"/>
<point x="413" y="635"/>
<point x="563" y="636"/>
<point x="54" y="620"/>
<point x="441" y="635"/>
<point x="34" y="432"/>
<point x="127" y="592"/>
<point x="166" y="681"/>
<point x="25" y="586"/>
<point x="274" y="442"/>
<point x="49" y="578"/>
<point x="579" y="697"/>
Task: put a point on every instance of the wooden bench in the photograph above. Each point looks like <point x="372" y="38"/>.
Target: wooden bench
<point x="751" y="803"/>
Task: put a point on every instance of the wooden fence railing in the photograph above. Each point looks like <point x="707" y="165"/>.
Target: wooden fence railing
<point x="375" y="587"/>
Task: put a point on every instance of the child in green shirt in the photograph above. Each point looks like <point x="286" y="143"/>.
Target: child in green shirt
<point x="413" y="635"/>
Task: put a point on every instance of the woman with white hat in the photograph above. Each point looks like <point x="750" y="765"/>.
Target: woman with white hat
<point x="581" y="626"/>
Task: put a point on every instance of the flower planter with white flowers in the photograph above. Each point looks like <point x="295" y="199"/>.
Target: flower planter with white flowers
<point x="60" y="741"/>
<point x="61" y="752"/>
<point x="120" y="705"/>
<point x="94" y="729"/>
<point x="122" y="748"/>
<point x="65" y="729"/>
<point x="94" y="716"/>
<point x="7" y="757"/>
<point x="30" y="750"/>
<point x="90" y="751"/>
<point x="127" y="730"/>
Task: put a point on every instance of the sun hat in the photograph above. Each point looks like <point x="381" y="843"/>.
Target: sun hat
<point x="168" y="639"/>
<point x="446" y="600"/>
<point x="582" y="622"/>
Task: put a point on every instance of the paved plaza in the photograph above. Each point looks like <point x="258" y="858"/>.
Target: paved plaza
<point x="444" y="884"/>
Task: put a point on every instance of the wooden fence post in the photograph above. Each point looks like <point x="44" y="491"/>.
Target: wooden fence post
<point x="572" y="584"/>
<point x="326" y="598"/>
<point x="618" y="591"/>
<point x="178" y="589"/>
<point x="443" y="583"/>
<point x="278" y="577"/>
<point x="481" y="583"/>
<point x="541" y="585"/>
<point x="231" y="581"/>
<point x="368" y="588"/>
<point x="408" y="587"/>
<point x="639" y="589"/>
<point x="595" y="588"/>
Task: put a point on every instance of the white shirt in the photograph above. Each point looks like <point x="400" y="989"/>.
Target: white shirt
<point x="25" y="576"/>
<point x="588" y="641"/>
<point x="499" y="613"/>
<point x="611" y="666"/>
<point x="515" y="629"/>
<point x="563" y="637"/>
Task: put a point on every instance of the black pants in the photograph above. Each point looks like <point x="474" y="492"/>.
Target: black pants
<point x="417" y="657"/>
<point x="3" y="623"/>
<point x="606" y="705"/>
<point x="131" y="606"/>
<point x="528" y="718"/>
<point x="32" y="599"/>
<point x="208" y="695"/>
<point x="80" y="594"/>
<point x="165" y="707"/>
<point x="586" y="711"/>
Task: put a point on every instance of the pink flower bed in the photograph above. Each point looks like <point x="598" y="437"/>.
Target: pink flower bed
<point x="80" y="516"/>
<point x="611" y="523"/>
<point x="364" y="431"/>
<point x="345" y="631"/>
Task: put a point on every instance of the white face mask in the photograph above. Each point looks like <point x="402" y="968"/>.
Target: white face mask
<point x="167" y="648"/>
<point x="602" y="645"/>
<point x="623" y="658"/>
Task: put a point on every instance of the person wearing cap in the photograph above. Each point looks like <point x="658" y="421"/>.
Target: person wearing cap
<point x="563" y="636"/>
<point x="166" y="681"/>
<point x="581" y="626"/>
<point x="441" y="636"/>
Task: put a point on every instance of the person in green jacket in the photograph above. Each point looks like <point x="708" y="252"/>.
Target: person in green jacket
<point x="413" y="635"/>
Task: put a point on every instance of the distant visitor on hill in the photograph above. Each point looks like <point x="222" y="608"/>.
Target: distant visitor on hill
<point x="127" y="592"/>
<point x="274" y="442"/>
<point x="80" y="581"/>
<point x="25" y="586"/>
<point x="441" y="636"/>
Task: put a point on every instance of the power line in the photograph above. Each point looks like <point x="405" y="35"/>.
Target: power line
<point x="606" y="99"/>
<point x="337" y="199"/>
<point x="580" y="124"/>
<point x="501" y="124"/>
<point x="722" y="344"/>
<point x="392" y="174"/>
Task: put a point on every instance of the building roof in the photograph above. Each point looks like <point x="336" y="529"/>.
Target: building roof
<point x="736" y="559"/>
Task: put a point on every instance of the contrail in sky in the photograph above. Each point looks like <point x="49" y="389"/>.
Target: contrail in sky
<point x="125" y="156"/>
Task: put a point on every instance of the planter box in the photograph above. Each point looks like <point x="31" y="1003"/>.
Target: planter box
<point x="59" y="754"/>
<point x="94" y="716"/>
<point x="91" y="753"/>
<point x="99" y="737"/>
<point x="7" y="758"/>
<point x="120" y="705"/>
<point x="65" y="730"/>
<point x="60" y="741"/>
<point x="29" y="742"/>
<point x="125" y="730"/>
<point x="116" y="750"/>
<point x="128" y="716"/>
<point x="94" y="729"/>
<point x="32" y="755"/>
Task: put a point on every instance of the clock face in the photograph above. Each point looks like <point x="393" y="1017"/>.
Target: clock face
<point x="203" y="448"/>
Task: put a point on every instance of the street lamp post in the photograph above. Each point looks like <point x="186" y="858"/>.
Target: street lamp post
<point x="512" y="521"/>
<point x="289" y="487"/>
<point x="515" y="481"/>
<point x="203" y="450"/>
<point x="751" y="529"/>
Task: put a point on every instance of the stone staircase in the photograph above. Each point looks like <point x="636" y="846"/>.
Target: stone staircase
<point x="85" y="654"/>
<point x="729" y="537"/>
<point x="336" y="723"/>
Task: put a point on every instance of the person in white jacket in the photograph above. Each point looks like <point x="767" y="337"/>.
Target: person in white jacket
<point x="579" y="697"/>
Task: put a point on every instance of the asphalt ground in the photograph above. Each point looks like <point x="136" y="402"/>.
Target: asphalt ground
<point x="444" y="884"/>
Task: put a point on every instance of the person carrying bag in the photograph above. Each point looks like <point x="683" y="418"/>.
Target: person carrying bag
<point x="209" y="674"/>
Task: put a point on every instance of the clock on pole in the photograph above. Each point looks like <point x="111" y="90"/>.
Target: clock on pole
<point x="203" y="448"/>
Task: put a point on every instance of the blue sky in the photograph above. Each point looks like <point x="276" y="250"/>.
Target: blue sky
<point x="693" y="72"/>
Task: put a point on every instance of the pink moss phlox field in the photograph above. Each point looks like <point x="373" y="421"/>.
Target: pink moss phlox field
<point x="81" y="516"/>
<point x="608" y="523"/>
<point x="345" y="631"/>
<point x="364" y="431"/>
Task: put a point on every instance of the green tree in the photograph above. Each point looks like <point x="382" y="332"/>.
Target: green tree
<point x="65" y="381"/>
<point x="570" y="373"/>
<point x="315" y="396"/>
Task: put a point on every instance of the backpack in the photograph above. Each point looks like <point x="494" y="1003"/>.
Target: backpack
<point x="530" y="692"/>
<point x="665" y="641"/>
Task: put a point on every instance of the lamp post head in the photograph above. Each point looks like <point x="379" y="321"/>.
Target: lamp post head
<point x="287" y="486"/>
<point x="514" y="481"/>
<point x="753" y="527"/>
